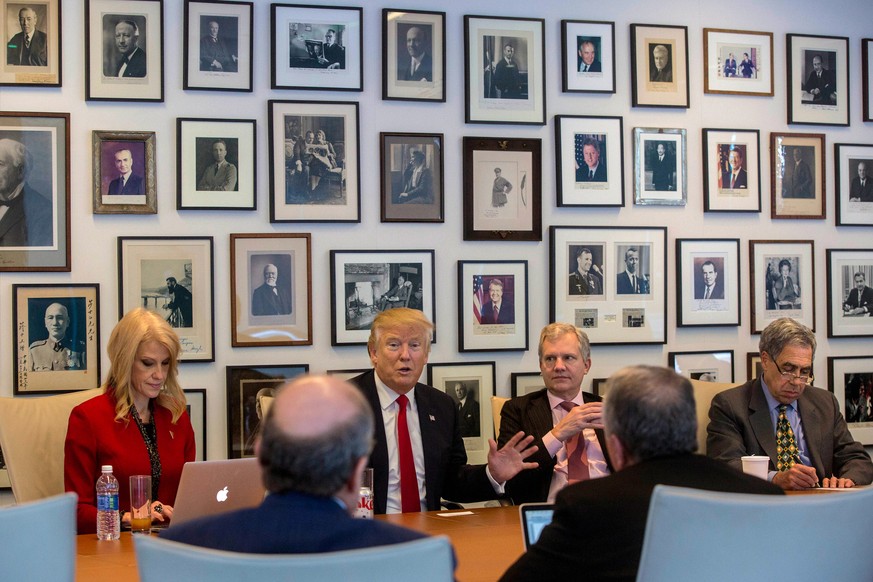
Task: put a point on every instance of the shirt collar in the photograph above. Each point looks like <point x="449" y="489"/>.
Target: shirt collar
<point x="555" y="401"/>
<point x="772" y="403"/>
<point x="387" y="396"/>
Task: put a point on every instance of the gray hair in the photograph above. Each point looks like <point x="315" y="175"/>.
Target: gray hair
<point x="784" y="332"/>
<point x="555" y="330"/>
<point x="17" y="153"/>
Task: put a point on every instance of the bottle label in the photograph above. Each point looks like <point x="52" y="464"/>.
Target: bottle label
<point x="107" y="502"/>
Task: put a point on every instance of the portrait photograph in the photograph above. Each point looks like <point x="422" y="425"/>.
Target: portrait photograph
<point x="469" y="385"/>
<point x="413" y="55"/>
<point x="57" y="338"/>
<point x="522" y="383"/>
<point x="659" y="66"/>
<point x="218" y="46"/>
<point x="125" y="50"/>
<point x="850" y="296"/>
<point x="587" y="277"/>
<point x="798" y="180"/>
<point x="271" y="289"/>
<point x="818" y="79"/>
<point x="124" y="180"/>
<point x="590" y="164"/>
<point x="738" y="62"/>
<point x="850" y="378"/>
<point x="314" y="161"/>
<point x="32" y="35"/>
<point x="708" y="282"/>
<point x="706" y="366"/>
<point x="853" y="166"/>
<point x="366" y="283"/>
<point x="588" y="56"/>
<point x="465" y="395"/>
<point x="634" y="272"/>
<point x="867" y="77"/>
<point x="782" y="282"/>
<point x="316" y="48"/>
<point x="660" y="173"/>
<point x="732" y="170"/>
<point x="412" y="177"/>
<point x="492" y="299"/>
<point x="505" y="70"/>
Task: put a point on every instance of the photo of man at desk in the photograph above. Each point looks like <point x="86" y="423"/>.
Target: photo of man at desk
<point x="782" y="416"/>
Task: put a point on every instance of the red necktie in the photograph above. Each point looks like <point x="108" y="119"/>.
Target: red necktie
<point x="496" y="313"/>
<point x="409" y="500"/>
<point x="577" y="456"/>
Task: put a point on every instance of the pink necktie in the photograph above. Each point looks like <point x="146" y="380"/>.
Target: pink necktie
<point x="409" y="500"/>
<point x="577" y="455"/>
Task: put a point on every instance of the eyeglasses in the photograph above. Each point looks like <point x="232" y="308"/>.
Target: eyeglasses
<point x="791" y="377"/>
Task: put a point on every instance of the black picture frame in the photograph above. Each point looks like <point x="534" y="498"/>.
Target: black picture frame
<point x="223" y="61"/>
<point x="705" y="366"/>
<point x="867" y="77"/>
<point x="794" y="298"/>
<point x="481" y="286"/>
<point x="711" y="265"/>
<point x="196" y="405"/>
<point x="419" y="30"/>
<point x="653" y="86"/>
<point x="598" y="39"/>
<point x="577" y="139"/>
<point x="848" y="377"/>
<point x="854" y="201"/>
<point x="850" y="308"/>
<point x="818" y="98"/>
<point x="412" y="177"/>
<point x="41" y="64"/>
<point x="726" y="189"/>
<point x="523" y="383"/>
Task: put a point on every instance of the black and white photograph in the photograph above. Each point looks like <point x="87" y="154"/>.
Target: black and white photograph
<point x="218" y="46"/>
<point x="464" y="393"/>
<point x="798" y="180"/>
<point x="413" y="55"/>
<point x="660" y="173"/>
<point x="32" y="35"/>
<point x="732" y="170"/>
<point x="588" y="56"/>
<point x="853" y="166"/>
<point x="782" y="282"/>
<point x="590" y="165"/>
<point x="850" y="295"/>
<point x="412" y="177"/>
<point x="124" y="178"/>
<point x="867" y="77"/>
<point x="522" y="383"/>
<point x="850" y="378"/>
<point x="463" y="382"/>
<point x="818" y="79"/>
<point x="704" y="366"/>
<point x="634" y="269"/>
<point x="587" y="264"/>
<point x="738" y="62"/>
<point x="707" y="282"/>
<point x="196" y="407"/>
<point x="493" y="305"/>
<point x="659" y="66"/>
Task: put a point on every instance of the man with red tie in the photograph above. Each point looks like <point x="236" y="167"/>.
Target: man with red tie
<point x="418" y="457"/>
<point x="498" y="309"/>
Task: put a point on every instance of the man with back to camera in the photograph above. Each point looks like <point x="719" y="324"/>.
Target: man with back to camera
<point x="312" y="450"/>
<point x="662" y="72"/>
<point x="270" y="298"/>
<point x="736" y="177"/>
<point x="27" y="48"/>
<point x="566" y="422"/>
<point x="631" y="281"/>
<point x="860" y="299"/>
<point x="220" y="176"/>
<point x="779" y="415"/>
<point x="496" y="310"/>
<point x="56" y="352"/>
<point x="25" y="214"/>
<point x="582" y="280"/>
<point x="419" y="456"/>
<point x="587" y="62"/>
<point x="418" y="66"/>
<point x="127" y="182"/>
<point x="592" y="170"/>
<point x="468" y="410"/>
<point x="215" y="55"/>
<point x="132" y="60"/>
<point x="708" y="286"/>
<point x="597" y="530"/>
<point x="862" y="188"/>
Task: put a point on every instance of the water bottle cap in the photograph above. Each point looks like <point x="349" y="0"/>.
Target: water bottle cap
<point x="106" y="469"/>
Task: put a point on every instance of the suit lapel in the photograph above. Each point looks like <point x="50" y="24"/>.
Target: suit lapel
<point x="13" y="216"/>
<point x="759" y="419"/>
<point x="810" y="418"/>
<point x="429" y="424"/>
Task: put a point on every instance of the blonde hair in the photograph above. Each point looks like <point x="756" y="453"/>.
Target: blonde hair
<point x="135" y="328"/>
<point x="400" y="317"/>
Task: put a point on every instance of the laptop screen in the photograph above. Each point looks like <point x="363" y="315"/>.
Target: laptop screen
<point x="534" y="517"/>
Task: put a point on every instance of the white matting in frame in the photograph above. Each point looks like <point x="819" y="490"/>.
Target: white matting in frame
<point x="829" y="106"/>
<point x="653" y="184"/>
<point x="583" y="36"/>
<point x="850" y="297"/>
<point x="796" y="299"/>
<point x="854" y="202"/>
<point x="738" y="62"/>
<point x="710" y="366"/>
<point x="427" y="81"/>
<point x="574" y="136"/>
<point x="478" y="330"/>
<point x="722" y="147"/>
<point x="699" y="260"/>
<point x="848" y="377"/>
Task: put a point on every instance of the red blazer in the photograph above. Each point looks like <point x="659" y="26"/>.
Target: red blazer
<point x="95" y="438"/>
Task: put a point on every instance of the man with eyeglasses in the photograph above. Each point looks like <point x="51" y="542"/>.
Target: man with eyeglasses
<point x="781" y="416"/>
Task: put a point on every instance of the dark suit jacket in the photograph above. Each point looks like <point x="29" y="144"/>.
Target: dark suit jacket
<point x="799" y="184"/>
<point x="664" y="76"/>
<point x="265" y="302"/>
<point x="739" y="424"/>
<point x="662" y="173"/>
<point x="28" y="221"/>
<point x="582" y="285"/>
<point x="624" y="287"/>
<point x="289" y="523"/>
<point x="717" y="290"/>
<point x="865" y="193"/>
<point x="598" y="526"/>
<point x="505" y="315"/>
<point x="36" y="56"/>
<point x="135" y="185"/>
<point x="469" y="418"/>
<point x="532" y="415"/>
<point x="136" y="67"/>
<point x="420" y="191"/>
<point x="826" y="84"/>
<point x="446" y="472"/>
<point x="424" y="72"/>
<point x="742" y="180"/>
<point x="593" y="68"/>
<point x="865" y="300"/>
<point x="599" y="174"/>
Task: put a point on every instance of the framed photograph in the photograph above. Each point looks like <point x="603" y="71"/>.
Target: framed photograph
<point x="316" y="48"/>
<point x="56" y="333"/>
<point x="526" y="383"/>
<point x="271" y="289"/>
<point x="610" y="281"/>
<point x="36" y="225"/>
<point x="754" y="367"/>
<point x="502" y="189"/>
<point x="219" y="43"/>
<point x="708" y="282"/>
<point x="492" y="304"/>
<point x="659" y="66"/>
<point x="818" y="79"/>
<point x="589" y="160"/>
<point x="737" y="62"/>
<point x="413" y="55"/>
<point x="215" y="164"/>
<point x="412" y="177"/>
<point x="348" y="374"/>
<point x="471" y="386"/>
<point x="660" y="171"/>
<point x="850" y="297"/>
<point x="706" y="366"/>
<point x="600" y="386"/>
<point x="164" y="274"/>
<point x="797" y="185"/>
<point x="850" y="378"/>
<point x="853" y="165"/>
<point x="196" y="407"/>
<point x="124" y="172"/>
<point x="365" y="283"/>
<point x="245" y="386"/>
<point x="124" y="50"/>
<point x="783" y="272"/>
<point x="588" y="56"/>
<point x="32" y="53"/>
<point x="731" y="170"/>
<point x="505" y="66"/>
<point x="4" y="474"/>
<point x="867" y="76"/>
<point x="315" y="161"/>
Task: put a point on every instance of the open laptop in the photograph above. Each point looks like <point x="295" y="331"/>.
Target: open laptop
<point x="534" y="517"/>
<point x="213" y="487"/>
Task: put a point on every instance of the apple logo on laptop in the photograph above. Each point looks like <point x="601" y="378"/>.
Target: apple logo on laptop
<point x="221" y="496"/>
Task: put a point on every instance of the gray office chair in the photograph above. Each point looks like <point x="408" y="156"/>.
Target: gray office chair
<point x="39" y="540"/>
<point x="694" y="535"/>
<point x="425" y="560"/>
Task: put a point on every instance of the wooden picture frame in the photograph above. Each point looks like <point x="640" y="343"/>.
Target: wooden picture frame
<point x="218" y="45"/>
<point x="662" y="80"/>
<point x="600" y="387"/>
<point x="849" y="380"/>
<point x="581" y="139"/>
<point x="850" y="297"/>
<point x="587" y="56"/>
<point x="413" y="55"/>
<point x="129" y="65"/>
<point x="731" y="170"/>
<point x="737" y="62"/>
<point x="705" y="366"/>
<point x="708" y="282"/>
<point x="39" y="62"/>
<point x="502" y="189"/>
<point x="412" y="177"/>
<point x="56" y="334"/>
<point x="794" y="298"/>
<point x="271" y="289"/>
<point x="853" y="167"/>
<point x="492" y="306"/>
<point x="196" y="405"/>
<point x="798" y="181"/>
<point x="660" y="175"/>
<point x="479" y="380"/>
<point x="524" y="383"/>
<point x="124" y="179"/>
<point x="818" y="97"/>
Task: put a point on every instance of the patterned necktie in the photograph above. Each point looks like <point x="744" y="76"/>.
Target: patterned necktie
<point x="708" y="290"/>
<point x="787" y="454"/>
<point x="409" y="500"/>
<point x="577" y="454"/>
<point x="496" y="313"/>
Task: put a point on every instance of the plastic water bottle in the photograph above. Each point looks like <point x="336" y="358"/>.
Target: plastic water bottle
<point x="108" y="518"/>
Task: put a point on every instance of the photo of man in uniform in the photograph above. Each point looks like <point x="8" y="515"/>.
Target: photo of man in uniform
<point x="57" y="351"/>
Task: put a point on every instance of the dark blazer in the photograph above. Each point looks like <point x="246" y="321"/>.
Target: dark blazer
<point x="599" y="174"/>
<point x="700" y="290"/>
<point x="446" y="472"/>
<point x="289" y="523"/>
<point x="826" y="84"/>
<point x="739" y="424"/>
<point x="664" y="76"/>
<point x="662" y="173"/>
<point x="742" y="180"/>
<point x="866" y="299"/>
<point x="598" y="526"/>
<point x="469" y="418"/>
<point x="265" y="302"/>
<point x="420" y="191"/>
<point x="35" y="56"/>
<point x="624" y="286"/>
<point x="424" y="72"/>
<point x="505" y="315"/>
<point x="590" y="284"/>
<point x="135" y="185"/>
<point x="136" y="66"/>
<point x="799" y="184"/>
<point x="28" y="221"/>
<point x="863" y="193"/>
<point x="595" y="67"/>
<point x="532" y="415"/>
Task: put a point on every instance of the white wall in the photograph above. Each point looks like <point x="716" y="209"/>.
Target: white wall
<point x="94" y="237"/>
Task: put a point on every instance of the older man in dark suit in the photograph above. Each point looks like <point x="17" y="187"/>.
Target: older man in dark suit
<point x="860" y="299"/>
<point x="25" y="214"/>
<point x="862" y="188"/>
<point x="28" y="48"/>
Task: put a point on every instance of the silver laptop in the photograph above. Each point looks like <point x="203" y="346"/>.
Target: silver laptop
<point x="213" y="487"/>
<point x="534" y="518"/>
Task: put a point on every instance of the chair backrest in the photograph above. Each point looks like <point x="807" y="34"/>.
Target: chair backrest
<point x="32" y="434"/>
<point x="497" y="403"/>
<point x="425" y="560"/>
<point x="39" y="540"/>
<point x="696" y="535"/>
<point x="704" y="392"/>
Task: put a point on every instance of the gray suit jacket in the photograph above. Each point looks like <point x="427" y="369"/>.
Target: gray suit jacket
<point x="739" y="424"/>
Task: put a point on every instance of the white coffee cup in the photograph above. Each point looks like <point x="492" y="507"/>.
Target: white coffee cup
<point x="756" y="465"/>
